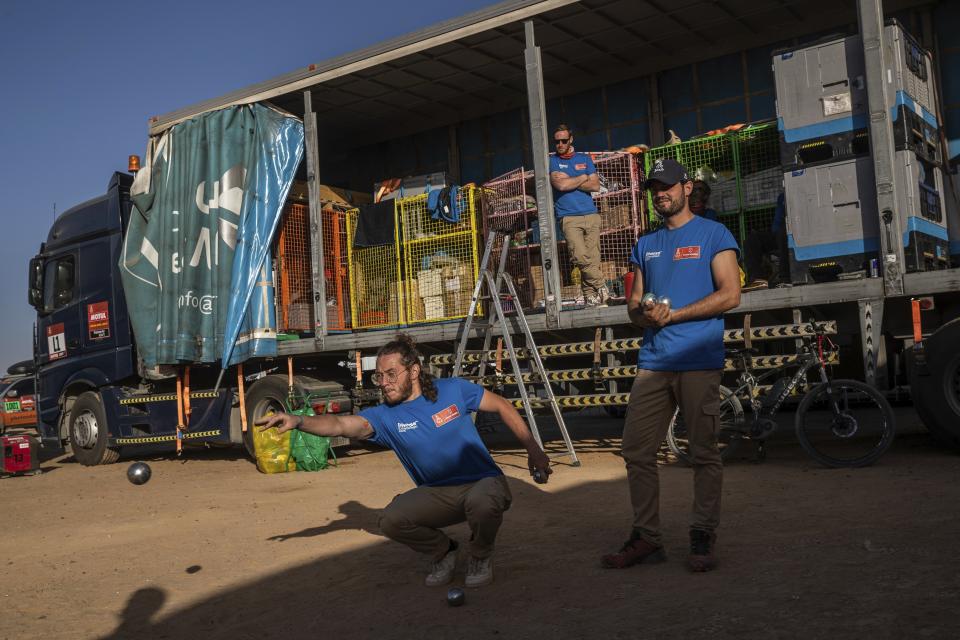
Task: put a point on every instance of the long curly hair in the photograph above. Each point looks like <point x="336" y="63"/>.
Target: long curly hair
<point x="406" y="347"/>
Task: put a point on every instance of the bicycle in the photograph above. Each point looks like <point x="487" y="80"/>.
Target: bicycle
<point x="839" y="423"/>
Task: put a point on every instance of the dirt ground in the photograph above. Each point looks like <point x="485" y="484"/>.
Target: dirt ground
<point x="211" y="549"/>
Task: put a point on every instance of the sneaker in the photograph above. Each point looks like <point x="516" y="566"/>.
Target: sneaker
<point x="441" y="571"/>
<point x="755" y="285"/>
<point x="701" y="556"/>
<point x="596" y="301"/>
<point x="636" y="550"/>
<point x="479" y="572"/>
<point x="604" y="294"/>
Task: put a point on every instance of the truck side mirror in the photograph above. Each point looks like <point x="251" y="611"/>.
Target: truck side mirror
<point x="12" y="393"/>
<point x="35" y="284"/>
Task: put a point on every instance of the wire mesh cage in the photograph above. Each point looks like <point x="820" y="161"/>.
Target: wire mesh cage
<point x="743" y="171"/>
<point x="440" y="255"/>
<point x="376" y="289"/>
<point x="336" y="268"/>
<point x="295" y="308"/>
<point x="509" y="207"/>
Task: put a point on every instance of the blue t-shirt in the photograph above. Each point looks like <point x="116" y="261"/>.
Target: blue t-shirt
<point x="676" y="263"/>
<point x="576" y="202"/>
<point x="437" y="442"/>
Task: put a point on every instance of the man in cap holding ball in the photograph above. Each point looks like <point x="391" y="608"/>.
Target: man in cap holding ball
<point x="690" y="266"/>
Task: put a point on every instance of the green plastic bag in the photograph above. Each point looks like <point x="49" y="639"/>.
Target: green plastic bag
<point x="311" y="452"/>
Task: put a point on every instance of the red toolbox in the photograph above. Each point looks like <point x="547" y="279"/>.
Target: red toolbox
<point x="20" y="454"/>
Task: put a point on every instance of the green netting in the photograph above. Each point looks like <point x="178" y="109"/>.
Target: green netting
<point x="743" y="170"/>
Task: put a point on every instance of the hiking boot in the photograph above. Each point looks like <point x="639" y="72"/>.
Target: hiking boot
<point x="702" y="545"/>
<point x="636" y="550"/>
<point x="441" y="571"/>
<point x="479" y="572"/>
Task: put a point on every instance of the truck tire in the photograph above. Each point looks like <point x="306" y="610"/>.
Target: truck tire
<point x="267" y="395"/>
<point x="936" y="397"/>
<point x="89" y="433"/>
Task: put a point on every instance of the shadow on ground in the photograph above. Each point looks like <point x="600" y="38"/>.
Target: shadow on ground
<point x="805" y="552"/>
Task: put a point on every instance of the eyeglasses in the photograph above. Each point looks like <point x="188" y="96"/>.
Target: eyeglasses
<point x="561" y="140"/>
<point x="388" y="376"/>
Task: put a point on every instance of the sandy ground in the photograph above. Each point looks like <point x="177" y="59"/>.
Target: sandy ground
<point x="211" y="549"/>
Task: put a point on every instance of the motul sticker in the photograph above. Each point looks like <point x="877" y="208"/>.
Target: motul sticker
<point x="98" y="320"/>
<point x="581" y="166"/>
<point x="56" y="341"/>
<point x="687" y="253"/>
<point x="445" y="416"/>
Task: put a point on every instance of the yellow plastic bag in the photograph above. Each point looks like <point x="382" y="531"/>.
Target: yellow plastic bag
<point x="273" y="451"/>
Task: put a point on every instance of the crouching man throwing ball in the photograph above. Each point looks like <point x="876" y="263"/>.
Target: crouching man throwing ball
<point x="426" y="421"/>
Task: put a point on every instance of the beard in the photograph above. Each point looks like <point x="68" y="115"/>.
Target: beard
<point x="670" y="208"/>
<point x="404" y="391"/>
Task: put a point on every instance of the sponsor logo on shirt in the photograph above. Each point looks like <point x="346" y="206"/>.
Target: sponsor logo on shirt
<point x="582" y="166"/>
<point x="687" y="253"/>
<point x="651" y="254"/>
<point x="443" y="417"/>
<point x="563" y="165"/>
<point x="406" y="426"/>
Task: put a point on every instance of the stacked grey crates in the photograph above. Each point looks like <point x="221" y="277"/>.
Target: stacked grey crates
<point x="829" y="186"/>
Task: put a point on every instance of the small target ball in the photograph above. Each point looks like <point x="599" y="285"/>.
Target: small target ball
<point x="138" y="473"/>
<point x="456" y="597"/>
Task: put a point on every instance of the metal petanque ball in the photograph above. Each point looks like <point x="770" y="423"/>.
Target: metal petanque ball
<point x="456" y="597"/>
<point x="138" y="473"/>
<point x="649" y="299"/>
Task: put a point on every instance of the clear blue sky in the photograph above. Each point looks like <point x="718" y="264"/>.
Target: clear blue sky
<point x="80" y="79"/>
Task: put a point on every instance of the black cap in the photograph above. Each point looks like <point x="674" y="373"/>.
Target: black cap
<point x="667" y="171"/>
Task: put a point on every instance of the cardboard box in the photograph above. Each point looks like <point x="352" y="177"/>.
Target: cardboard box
<point x="616" y="216"/>
<point x="300" y="192"/>
<point x="430" y="283"/>
<point x="433" y="307"/>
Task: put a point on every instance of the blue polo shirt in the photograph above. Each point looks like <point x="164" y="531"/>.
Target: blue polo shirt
<point x="436" y="442"/>
<point x="676" y="263"/>
<point x="576" y="202"/>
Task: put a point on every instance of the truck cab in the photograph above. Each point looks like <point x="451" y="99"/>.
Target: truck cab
<point x="83" y="339"/>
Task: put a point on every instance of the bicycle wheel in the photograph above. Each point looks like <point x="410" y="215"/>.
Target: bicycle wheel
<point x="731" y="428"/>
<point x="848" y="425"/>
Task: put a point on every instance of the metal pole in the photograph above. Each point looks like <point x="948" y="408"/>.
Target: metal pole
<point x="870" y="14"/>
<point x="539" y="144"/>
<point x="655" y="115"/>
<point x="316" y="222"/>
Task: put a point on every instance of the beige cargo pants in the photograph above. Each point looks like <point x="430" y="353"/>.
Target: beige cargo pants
<point x="415" y="518"/>
<point x="583" y="242"/>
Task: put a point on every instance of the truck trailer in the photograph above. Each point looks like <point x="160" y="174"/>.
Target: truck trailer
<point x="463" y="110"/>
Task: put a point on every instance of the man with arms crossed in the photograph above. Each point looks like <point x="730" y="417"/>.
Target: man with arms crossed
<point x="574" y="177"/>
<point x="426" y="421"/>
<point x="693" y="262"/>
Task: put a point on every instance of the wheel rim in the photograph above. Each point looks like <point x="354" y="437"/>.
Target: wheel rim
<point x="86" y="430"/>
<point x="266" y="407"/>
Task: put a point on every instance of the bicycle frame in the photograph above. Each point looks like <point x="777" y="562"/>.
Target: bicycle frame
<point x="809" y="359"/>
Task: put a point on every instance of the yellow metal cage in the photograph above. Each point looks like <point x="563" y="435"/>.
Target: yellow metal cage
<point x="440" y="257"/>
<point x="376" y="289"/>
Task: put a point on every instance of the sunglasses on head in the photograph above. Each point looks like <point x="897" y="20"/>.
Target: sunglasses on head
<point x="561" y="140"/>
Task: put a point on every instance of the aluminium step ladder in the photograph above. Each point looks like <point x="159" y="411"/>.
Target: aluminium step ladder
<point x="500" y="287"/>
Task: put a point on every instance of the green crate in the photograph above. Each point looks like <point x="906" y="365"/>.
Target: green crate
<point x="743" y="170"/>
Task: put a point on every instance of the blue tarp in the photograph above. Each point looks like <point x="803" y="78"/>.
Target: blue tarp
<point x="206" y="206"/>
